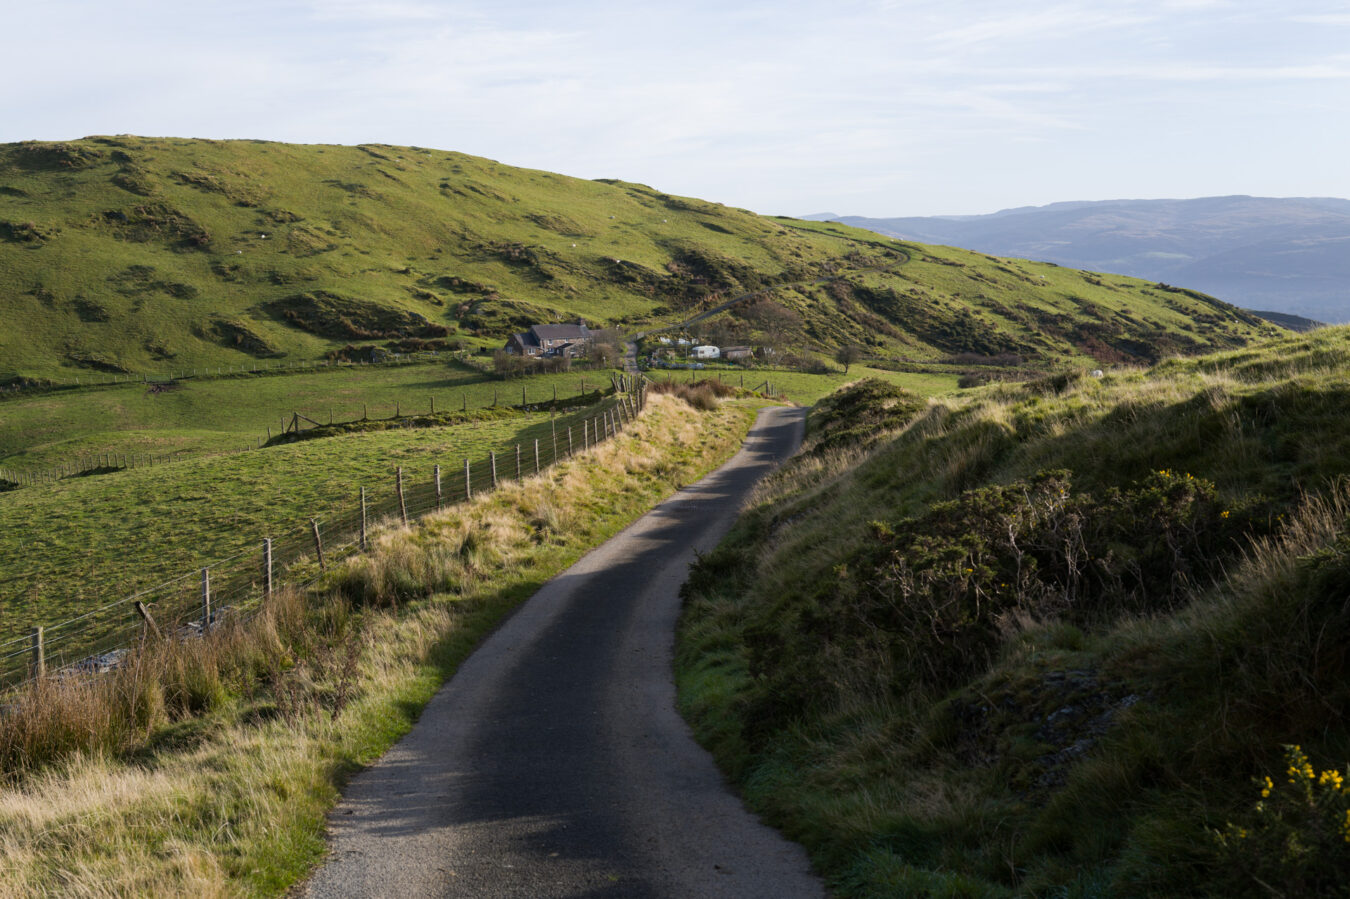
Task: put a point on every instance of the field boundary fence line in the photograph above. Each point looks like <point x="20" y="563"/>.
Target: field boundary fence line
<point x="192" y="603"/>
<point x="86" y="464"/>
<point x="38" y="385"/>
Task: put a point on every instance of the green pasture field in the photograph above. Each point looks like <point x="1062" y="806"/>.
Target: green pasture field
<point x="86" y="541"/>
<point x="804" y="389"/>
<point x="226" y="414"/>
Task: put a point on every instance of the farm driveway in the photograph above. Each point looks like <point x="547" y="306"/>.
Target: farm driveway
<point x="554" y="762"/>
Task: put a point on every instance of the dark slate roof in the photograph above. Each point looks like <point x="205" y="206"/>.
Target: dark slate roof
<point x="560" y="332"/>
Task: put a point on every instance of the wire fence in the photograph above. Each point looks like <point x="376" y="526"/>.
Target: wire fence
<point x="193" y="602"/>
<point x="422" y="412"/>
<point x="43" y="385"/>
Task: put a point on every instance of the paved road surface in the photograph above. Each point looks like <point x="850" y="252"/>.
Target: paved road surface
<point x="554" y="763"/>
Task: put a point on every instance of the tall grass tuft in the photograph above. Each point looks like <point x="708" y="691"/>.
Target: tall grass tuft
<point x="702" y="395"/>
<point x="162" y="682"/>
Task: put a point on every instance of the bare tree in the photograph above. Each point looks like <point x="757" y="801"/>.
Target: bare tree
<point x="604" y="355"/>
<point x="847" y="354"/>
<point x="509" y="365"/>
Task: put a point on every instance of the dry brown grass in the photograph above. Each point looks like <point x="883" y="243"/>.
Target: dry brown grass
<point x="205" y="767"/>
<point x="162" y="681"/>
<point x="702" y="395"/>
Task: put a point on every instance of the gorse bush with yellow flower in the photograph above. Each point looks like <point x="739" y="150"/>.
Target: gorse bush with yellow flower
<point x="1295" y="840"/>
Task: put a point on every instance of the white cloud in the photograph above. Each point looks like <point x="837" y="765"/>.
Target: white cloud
<point x="1339" y="19"/>
<point x="1055" y="23"/>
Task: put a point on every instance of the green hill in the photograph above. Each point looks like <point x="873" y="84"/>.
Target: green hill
<point x="1049" y="639"/>
<point x="156" y="255"/>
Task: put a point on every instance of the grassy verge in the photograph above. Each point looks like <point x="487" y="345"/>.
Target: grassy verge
<point x="216" y="780"/>
<point x="1050" y="640"/>
<point x="805" y="388"/>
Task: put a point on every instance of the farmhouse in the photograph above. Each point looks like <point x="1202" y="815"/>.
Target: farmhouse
<point x="551" y="340"/>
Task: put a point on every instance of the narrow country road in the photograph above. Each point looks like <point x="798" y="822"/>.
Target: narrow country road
<point x="554" y="763"/>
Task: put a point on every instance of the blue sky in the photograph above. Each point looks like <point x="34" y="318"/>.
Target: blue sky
<point x="867" y="107"/>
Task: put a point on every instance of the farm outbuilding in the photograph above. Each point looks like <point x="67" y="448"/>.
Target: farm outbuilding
<point x="551" y="340"/>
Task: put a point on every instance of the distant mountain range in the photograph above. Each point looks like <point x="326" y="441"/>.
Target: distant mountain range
<point x="1289" y="256"/>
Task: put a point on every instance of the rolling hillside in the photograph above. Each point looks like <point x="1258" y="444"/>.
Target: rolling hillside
<point x="1284" y="255"/>
<point x="1077" y="637"/>
<point x="129" y="254"/>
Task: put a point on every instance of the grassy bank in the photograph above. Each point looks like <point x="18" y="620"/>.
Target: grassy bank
<point x="220" y="769"/>
<point x="1049" y="639"/>
<point x="806" y="388"/>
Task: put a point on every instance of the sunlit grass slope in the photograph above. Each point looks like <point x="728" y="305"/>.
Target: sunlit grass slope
<point x="86" y="541"/>
<point x="1049" y="639"/>
<point x="211" y="415"/>
<point x="207" y="767"/>
<point x="155" y="254"/>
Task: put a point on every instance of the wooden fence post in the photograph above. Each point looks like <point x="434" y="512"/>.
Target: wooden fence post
<point x="492" y="459"/>
<point x="438" y="488"/>
<point x="585" y="434"/>
<point x="149" y="622"/>
<point x="536" y="455"/>
<point x="39" y="666"/>
<point x="468" y="482"/>
<point x="267" y="568"/>
<point x="433" y="405"/>
<point x="318" y="543"/>
<point x="402" y="505"/>
<point x="363" y="520"/>
<point x="522" y="396"/>
<point x="517" y="461"/>
<point x="569" y="442"/>
<point x="206" y="600"/>
<point x="553" y="424"/>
